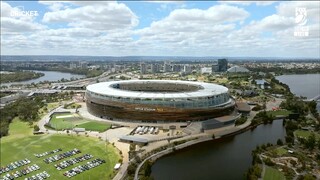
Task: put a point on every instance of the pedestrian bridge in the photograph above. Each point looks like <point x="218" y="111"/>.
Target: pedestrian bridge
<point x="316" y="98"/>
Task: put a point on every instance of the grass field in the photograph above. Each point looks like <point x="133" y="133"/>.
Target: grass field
<point x="279" y="112"/>
<point x="23" y="145"/>
<point x="273" y="174"/>
<point x="305" y="134"/>
<point x="18" y="129"/>
<point x="95" y="126"/>
<point x="281" y="151"/>
<point x="76" y="121"/>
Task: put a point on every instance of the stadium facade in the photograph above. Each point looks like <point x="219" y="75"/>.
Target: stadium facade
<point x="158" y="100"/>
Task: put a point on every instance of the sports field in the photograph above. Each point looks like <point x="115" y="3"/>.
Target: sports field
<point x="20" y="145"/>
<point x="69" y="121"/>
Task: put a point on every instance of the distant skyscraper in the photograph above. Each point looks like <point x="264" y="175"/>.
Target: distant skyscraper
<point x="187" y="69"/>
<point x="155" y="68"/>
<point x="83" y="65"/>
<point x="167" y="67"/>
<point x="176" y="68"/>
<point x="73" y="65"/>
<point x="143" y="68"/>
<point x="222" y="65"/>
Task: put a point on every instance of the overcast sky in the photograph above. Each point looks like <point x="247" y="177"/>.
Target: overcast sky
<point x="184" y="28"/>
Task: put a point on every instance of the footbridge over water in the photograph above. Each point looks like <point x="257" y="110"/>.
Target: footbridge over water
<point x="316" y="98"/>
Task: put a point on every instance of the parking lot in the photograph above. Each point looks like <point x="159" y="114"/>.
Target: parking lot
<point x="22" y="169"/>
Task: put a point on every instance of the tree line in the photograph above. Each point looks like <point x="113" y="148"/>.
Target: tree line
<point x="19" y="76"/>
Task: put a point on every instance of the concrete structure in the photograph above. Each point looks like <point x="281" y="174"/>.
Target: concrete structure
<point x="206" y="70"/>
<point x="157" y="101"/>
<point x="219" y="122"/>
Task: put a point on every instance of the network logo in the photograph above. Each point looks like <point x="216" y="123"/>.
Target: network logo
<point x="301" y="30"/>
<point x="301" y="16"/>
<point x="19" y="11"/>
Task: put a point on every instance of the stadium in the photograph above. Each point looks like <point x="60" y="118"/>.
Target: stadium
<point x="158" y="101"/>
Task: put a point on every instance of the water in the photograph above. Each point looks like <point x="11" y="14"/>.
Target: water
<point x="48" y="76"/>
<point x="227" y="158"/>
<point x="307" y="85"/>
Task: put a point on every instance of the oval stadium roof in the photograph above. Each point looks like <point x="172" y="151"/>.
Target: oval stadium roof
<point x="208" y="89"/>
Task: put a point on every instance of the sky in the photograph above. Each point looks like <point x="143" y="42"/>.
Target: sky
<point x="161" y="28"/>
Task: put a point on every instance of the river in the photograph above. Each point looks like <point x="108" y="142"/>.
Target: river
<point x="227" y="158"/>
<point x="307" y="85"/>
<point x="48" y="76"/>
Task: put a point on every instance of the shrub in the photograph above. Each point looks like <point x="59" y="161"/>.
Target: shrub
<point x="36" y="128"/>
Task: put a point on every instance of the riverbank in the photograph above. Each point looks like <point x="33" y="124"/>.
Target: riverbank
<point x="18" y="76"/>
<point x="48" y="76"/>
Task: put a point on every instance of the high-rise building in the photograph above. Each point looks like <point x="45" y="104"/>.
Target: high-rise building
<point x="155" y="68"/>
<point x="73" y="65"/>
<point x="167" y="67"/>
<point x="143" y="68"/>
<point x="222" y="65"/>
<point x="176" y="68"/>
<point x="187" y="69"/>
<point x="83" y="65"/>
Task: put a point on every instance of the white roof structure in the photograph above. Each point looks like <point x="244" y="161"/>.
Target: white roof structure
<point x="237" y="69"/>
<point x="205" y="90"/>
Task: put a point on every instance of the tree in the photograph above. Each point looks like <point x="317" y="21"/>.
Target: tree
<point x="36" y="128"/>
<point x="289" y="139"/>
<point x="131" y="169"/>
<point x="311" y="141"/>
<point x="147" y="168"/>
<point x="279" y="142"/>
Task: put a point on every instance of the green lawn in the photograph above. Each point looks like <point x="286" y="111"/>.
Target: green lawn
<point x="73" y="106"/>
<point x="76" y="121"/>
<point x="95" y="126"/>
<point x="273" y="174"/>
<point x="18" y="129"/>
<point x="15" y="148"/>
<point x="282" y="112"/>
<point x="281" y="151"/>
<point x="305" y="134"/>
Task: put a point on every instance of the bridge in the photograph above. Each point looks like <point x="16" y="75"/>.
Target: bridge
<point x="316" y="98"/>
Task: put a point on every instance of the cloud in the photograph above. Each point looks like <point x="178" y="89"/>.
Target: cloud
<point x="247" y="3"/>
<point x="111" y="28"/>
<point x="98" y="15"/>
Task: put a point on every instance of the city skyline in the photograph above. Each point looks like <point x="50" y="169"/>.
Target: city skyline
<point x="152" y="28"/>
